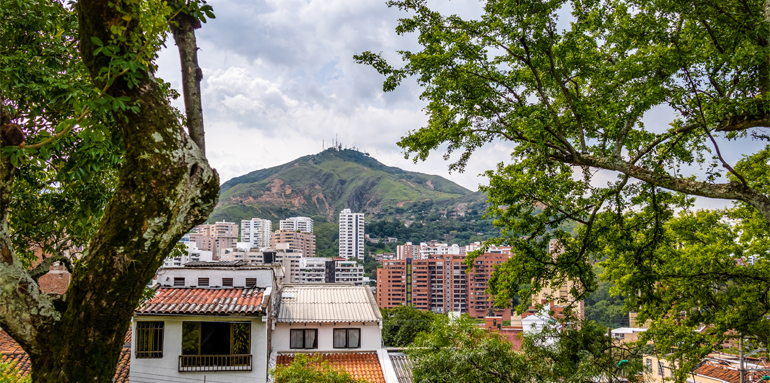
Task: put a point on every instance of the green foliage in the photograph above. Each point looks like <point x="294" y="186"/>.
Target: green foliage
<point x="400" y="325"/>
<point x="460" y="351"/>
<point x="307" y="369"/>
<point x="604" y="308"/>
<point x="327" y="239"/>
<point x="569" y="97"/>
<point x="10" y="374"/>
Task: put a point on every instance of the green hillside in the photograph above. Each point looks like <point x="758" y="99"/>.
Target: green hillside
<point x="323" y="184"/>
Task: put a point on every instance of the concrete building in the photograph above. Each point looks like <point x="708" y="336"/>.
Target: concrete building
<point x="214" y="237"/>
<point x="251" y="256"/>
<point x="479" y="302"/>
<point x="207" y="320"/>
<point x="302" y="224"/>
<point x="193" y="254"/>
<point x="296" y="240"/>
<point x="256" y="232"/>
<point x="351" y="235"/>
<point x="339" y="322"/>
<point x="408" y="251"/>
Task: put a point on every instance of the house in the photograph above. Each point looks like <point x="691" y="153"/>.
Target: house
<point x="207" y="319"/>
<point x="627" y="334"/>
<point x="339" y="322"/>
<point x="717" y="368"/>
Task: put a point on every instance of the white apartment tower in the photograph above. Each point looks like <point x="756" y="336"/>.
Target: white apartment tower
<point x="303" y="224"/>
<point x="351" y="235"/>
<point x="256" y="232"/>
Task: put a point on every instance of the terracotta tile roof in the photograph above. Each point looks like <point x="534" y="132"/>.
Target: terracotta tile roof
<point x="360" y="365"/>
<point x="54" y="282"/>
<point x="12" y="352"/>
<point x="194" y="301"/>
<point x="20" y="359"/>
<point x="728" y="374"/>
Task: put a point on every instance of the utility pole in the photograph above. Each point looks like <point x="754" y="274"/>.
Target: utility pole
<point x="741" y="361"/>
<point x="609" y="335"/>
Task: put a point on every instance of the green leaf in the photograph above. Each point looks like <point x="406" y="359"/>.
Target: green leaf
<point x="97" y="41"/>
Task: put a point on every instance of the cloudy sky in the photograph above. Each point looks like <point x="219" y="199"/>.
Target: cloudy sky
<point x="279" y="79"/>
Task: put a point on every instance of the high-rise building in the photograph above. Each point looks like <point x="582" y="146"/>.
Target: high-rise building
<point x="439" y="284"/>
<point x="351" y="235"/>
<point x="296" y="240"/>
<point x="256" y="232"/>
<point x="302" y="224"/>
<point x="214" y="237"/>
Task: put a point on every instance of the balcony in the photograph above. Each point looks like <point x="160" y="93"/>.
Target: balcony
<point x="204" y="363"/>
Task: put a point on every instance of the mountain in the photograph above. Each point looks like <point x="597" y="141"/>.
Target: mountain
<point x="325" y="183"/>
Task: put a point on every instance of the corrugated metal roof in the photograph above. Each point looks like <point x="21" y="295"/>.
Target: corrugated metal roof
<point x="327" y="303"/>
<point x="193" y="301"/>
<point x="402" y="365"/>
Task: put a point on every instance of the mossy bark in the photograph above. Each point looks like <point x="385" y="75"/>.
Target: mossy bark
<point x="165" y="188"/>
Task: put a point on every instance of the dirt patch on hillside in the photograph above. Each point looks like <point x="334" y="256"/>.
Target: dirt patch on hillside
<point x="275" y="185"/>
<point x="430" y="185"/>
<point x="402" y="203"/>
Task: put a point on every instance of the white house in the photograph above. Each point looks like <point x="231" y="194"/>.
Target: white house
<point x="206" y="321"/>
<point x="340" y="322"/>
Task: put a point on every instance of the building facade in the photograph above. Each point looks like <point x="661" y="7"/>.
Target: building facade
<point x="301" y="224"/>
<point x="256" y="232"/>
<point x="351" y="235"/>
<point x="296" y="240"/>
<point x="214" y="237"/>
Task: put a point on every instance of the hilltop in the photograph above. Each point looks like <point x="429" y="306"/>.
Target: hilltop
<point x="323" y="184"/>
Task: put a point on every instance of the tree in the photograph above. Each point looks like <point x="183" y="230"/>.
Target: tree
<point x="96" y="169"/>
<point x="459" y="351"/>
<point x="569" y="96"/>
<point x="306" y="369"/>
<point x="401" y="324"/>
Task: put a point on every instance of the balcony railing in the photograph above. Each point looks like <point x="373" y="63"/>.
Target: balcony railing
<point x="195" y="363"/>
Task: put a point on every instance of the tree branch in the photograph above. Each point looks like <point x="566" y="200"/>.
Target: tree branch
<point x="183" y="27"/>
<point x="732" y="190"/>
<point x="45" y="266"/>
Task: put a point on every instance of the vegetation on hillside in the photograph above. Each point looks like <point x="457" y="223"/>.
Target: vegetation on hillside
<point x="325" y="183"/>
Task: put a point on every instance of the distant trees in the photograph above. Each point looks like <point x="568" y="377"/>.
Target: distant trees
<point x="403" y="323"/>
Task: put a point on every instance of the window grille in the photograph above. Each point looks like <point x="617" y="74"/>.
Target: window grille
<point x="660" y="369"/>
<point x="304" y="339"/>
<point x="347" y="338"/>
<point x="251" y="282"/>
<point x="227" y="282"/>
<point x="178" y="282"/>
<point x="149" y="339"/>
<point x="203" y="282"/>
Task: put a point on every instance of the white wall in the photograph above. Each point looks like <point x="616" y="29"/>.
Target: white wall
<point x="191" y="274"/>
<point x="371" y="336"/>
<point x="166" y="368"/>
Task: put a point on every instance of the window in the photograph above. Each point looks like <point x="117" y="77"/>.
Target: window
<point x="252" y="282"/>
<point x="649" y="366"/>
<point x="305" y="339"/>
<point x="660" y="369"/>
<point x="227" y="282"/>
<point x="149" y="339"/>
<point x="178" y="282"/>
<point x="203" y="282"/>
<point x="216" y="338"/>
<point x="347" y="338"/>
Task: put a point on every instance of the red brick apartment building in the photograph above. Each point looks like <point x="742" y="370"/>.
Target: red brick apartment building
<point x="438" y="284"/>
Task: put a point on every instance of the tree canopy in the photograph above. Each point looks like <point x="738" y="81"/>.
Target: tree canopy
<point x="567" y="83"/>
<point x="97" y="170"/>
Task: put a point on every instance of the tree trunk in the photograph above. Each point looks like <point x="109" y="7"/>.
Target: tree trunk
<point x="165" y="188"/>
